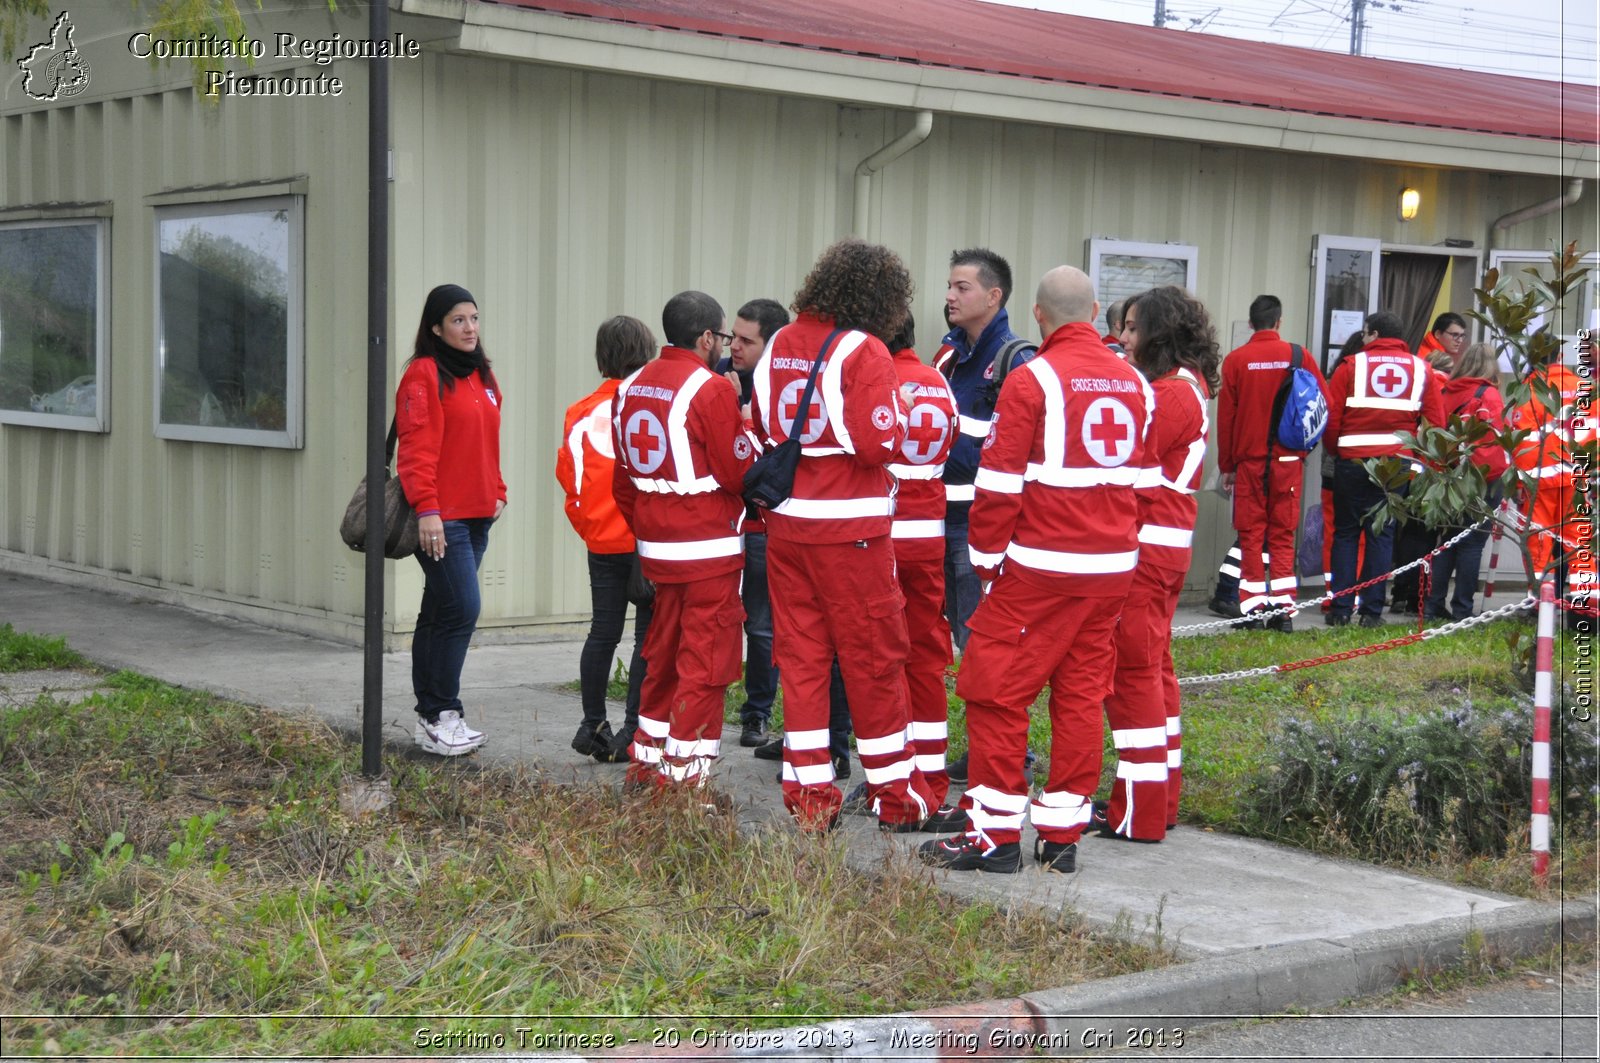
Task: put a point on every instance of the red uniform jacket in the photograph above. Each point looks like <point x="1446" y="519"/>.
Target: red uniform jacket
<point x="853" y="429"/>
<point x="584" y="465"/>
<point x="1374" y="394"/>
<point x="1056" y="498"/>
<point x="931" y="429"/>
<point x="1174" y="456"/>
<point x="681" y="457"/>
<point x="1251" y="376"/>
<point x="1463" y="397"/>
<point x="449" y="451"/>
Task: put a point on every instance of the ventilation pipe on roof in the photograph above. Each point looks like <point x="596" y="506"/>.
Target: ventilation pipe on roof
<point x="881" y="158"/>
<point x="1538" y="210"/>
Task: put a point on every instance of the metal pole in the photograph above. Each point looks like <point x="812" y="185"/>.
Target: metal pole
<point x="1544" y="661"/>
<point x="1161" y="14"/>
<point x="1358" y="25"/>
<point x="377" y="387"/>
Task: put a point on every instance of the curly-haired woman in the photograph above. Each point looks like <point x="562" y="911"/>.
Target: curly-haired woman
<point x="830" y="562"/>
<point x="1168" y="336"/>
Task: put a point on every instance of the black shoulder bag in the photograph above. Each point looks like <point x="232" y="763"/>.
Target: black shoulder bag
<point x="768" y="483"/>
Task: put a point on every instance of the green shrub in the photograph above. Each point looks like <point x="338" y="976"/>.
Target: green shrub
<point x="1439" y="783"/>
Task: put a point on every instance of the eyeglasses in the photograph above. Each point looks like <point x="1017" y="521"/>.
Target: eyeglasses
<point x="725" y="337"/>
<point x="1454" y="334"/>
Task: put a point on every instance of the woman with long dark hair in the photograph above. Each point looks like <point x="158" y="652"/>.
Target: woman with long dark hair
<point x="448" y="414"/>
<point x="1168" y="337"/>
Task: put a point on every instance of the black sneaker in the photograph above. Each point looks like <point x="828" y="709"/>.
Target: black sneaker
<point x="855" y="802"/>
<point x="966" y="852"/>
<point x="957" y="769"/>
<point x="592" y="741"/>
<point x="1336" y="620"/>
<point x="1283" y="622"/>
<point x="1222" y="608"/>
<point x="947" y="818"/>
<point x="1060" y="857"/>
<point x="753" y="735"/>
<point x="841" y="766"/>
<point x="1371" y="620"/>
<point x="617" y="752"/>
<point x="772" y="750"/>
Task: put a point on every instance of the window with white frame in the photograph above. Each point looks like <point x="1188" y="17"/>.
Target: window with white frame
<point x="1579" y="309"/>
<point x="53" y="307"/>
<point x="1121" y="268"/>
<point x="229" y="364"/>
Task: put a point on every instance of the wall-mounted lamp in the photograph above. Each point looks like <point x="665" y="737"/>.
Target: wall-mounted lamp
<point x="1410" y="200"/>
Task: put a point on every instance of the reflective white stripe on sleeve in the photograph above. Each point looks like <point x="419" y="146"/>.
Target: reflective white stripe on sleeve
<point x="1160" y="535"/>
<point x="835" y="508"/>
<point x="830" y="383"/>
<point x="917" y="529"/>
<point x="982" y="559"/>
<point x="1140" y="738"/>
<point x="1005" y="483"/>
<point x="694" y="550"/>
<point x="917" y="472"/>
<point x="1068" y="562"/>
<point x="1371" y="439"/>
<point x="881" y="747"/>
<point x="976" y="427"/>
<point x="798" y="740"/>
<point x="960" y="492"/>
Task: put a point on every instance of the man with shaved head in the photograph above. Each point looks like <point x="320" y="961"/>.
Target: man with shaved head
<point x="1055" y="527"/>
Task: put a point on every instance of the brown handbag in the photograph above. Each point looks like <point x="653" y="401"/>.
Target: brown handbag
<point x="399" y="519"/>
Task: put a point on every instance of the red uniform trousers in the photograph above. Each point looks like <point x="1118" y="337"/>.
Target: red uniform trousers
<point x="1142" y="708"/>
<point x="922" y="583"/>
<point x="691" y="655"/>
<point x="1266" y="523"/>
<point x="840" y="599"/>
<point x="1022" y="637"/>
<point x="1567" y="543"/>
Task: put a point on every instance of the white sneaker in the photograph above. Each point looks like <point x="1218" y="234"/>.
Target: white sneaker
<point x="449" y="737"/>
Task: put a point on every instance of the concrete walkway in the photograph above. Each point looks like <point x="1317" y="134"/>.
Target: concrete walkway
<point x="1261" y="926"/>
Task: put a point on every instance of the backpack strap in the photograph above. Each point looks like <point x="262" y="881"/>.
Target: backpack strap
<point x="1003" y="360"/>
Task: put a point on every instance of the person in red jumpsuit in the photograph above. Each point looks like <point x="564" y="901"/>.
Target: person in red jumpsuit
<point x="681" y="458"/>
<point x="1168" y="336"/>
<point x="830" y="561"/>
<point x="918" y="534"/>
<point x="1265" y="480"/>
<point x="1055" y="526"/>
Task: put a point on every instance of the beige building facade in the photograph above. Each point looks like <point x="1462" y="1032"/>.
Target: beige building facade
<point x="212" y="256"/>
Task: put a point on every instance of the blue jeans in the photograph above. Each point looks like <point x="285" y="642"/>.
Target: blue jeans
<point x="448" y="616"/>
<point x="608" y="595"/>
<point x="1354" y="493"/>
<point x="1464" y="560"/>
<point x="962" y="588"/>
<point x="760" y="674"/>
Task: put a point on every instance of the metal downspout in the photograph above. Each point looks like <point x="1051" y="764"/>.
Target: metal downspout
<point x="1573" y="193"/>
<point x="881" y="158"/>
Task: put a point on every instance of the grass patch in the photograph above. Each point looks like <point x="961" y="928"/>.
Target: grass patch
<point x="172" y="854"/>
<point x="22" y="652"/>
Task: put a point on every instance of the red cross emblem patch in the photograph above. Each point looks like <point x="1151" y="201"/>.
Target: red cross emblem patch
<point x="646" y="441"/>
<point x="816" y="414"/>
<point x="1109" y="432"/>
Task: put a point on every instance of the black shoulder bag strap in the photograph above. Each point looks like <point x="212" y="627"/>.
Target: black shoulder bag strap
<point x="388" y="447"/>
<point x="811" y="386"/>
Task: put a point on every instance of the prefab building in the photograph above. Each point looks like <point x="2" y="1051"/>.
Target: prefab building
<point x="183" y="279"/>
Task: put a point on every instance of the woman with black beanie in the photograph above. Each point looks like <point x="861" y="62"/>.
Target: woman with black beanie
<point x="448" y="414"/>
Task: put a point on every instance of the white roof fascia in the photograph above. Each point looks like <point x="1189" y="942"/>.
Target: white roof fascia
<point x="595" y="44"/>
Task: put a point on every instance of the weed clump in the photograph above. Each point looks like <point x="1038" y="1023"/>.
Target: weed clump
<point x="1447" y="784"/>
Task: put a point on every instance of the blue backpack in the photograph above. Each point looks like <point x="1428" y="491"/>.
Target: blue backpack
<point x="1300" y="412"/>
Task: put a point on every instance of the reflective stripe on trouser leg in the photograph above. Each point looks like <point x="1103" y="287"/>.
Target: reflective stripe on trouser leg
<point x="1023" y="637"/>
<point x="927" y="655"/>
<point x="1136" y="707"/>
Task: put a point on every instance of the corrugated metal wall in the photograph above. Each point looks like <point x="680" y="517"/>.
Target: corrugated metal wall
<point x="561" y="198"/>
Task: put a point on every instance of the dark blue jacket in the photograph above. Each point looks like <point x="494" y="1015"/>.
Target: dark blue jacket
<point x="745" y="378"/>
<point x="968" y="370"/>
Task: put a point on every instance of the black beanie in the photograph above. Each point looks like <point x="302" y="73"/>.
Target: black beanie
<point x="441" y="300"/>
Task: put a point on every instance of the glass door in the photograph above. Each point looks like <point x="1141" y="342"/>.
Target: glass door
<point x="1344" y="290"/>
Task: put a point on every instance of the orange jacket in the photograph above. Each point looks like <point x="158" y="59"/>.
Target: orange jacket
<point x="584" y="465"/>
<point x="1546" y="452"/>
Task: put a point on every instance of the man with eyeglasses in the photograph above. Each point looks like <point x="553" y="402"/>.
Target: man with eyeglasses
<point x="1449" y="334"/>
<point x="681" y="457"/>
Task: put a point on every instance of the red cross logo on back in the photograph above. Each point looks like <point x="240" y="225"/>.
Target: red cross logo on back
<point x="816" y="414"/>
<point x="1108" y="432"/>
<point x="1390" y="381"/>
<point x="925" y="433"/>
<point x="646" y="441"/>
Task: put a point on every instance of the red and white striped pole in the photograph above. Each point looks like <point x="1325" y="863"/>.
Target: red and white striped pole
<point x="1494" y="551"/>
<point x="1544" y="660"/>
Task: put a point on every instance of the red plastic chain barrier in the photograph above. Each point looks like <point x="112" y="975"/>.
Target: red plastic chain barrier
<point x="1350" y="655"/>
<point x="1545" y="659"/>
